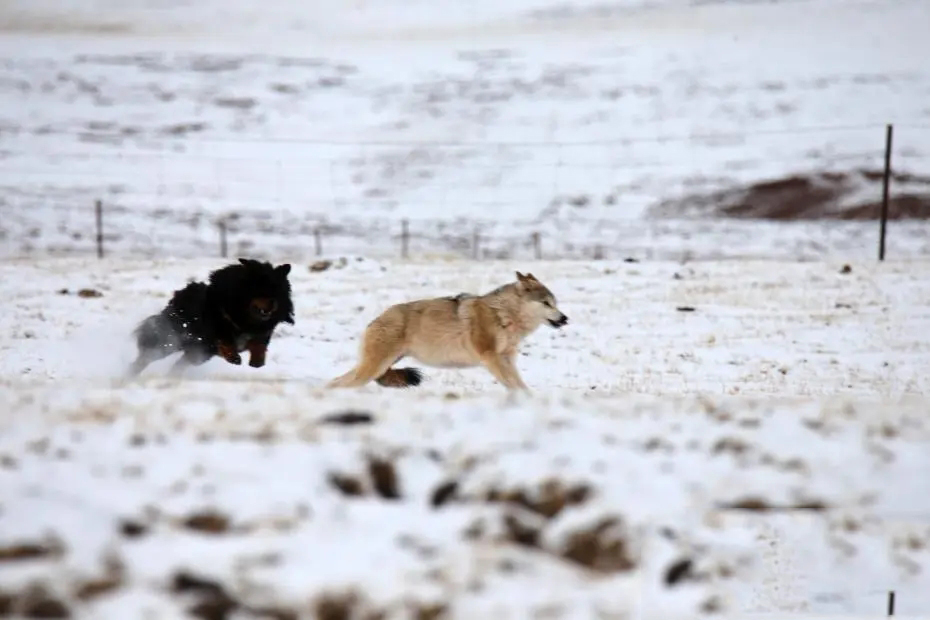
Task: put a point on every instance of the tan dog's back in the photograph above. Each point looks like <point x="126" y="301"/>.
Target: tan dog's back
<point x="437" y="331"/>
<point x="454" y="332"/>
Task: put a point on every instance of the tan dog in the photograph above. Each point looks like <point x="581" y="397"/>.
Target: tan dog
<point x="455" y="332"/>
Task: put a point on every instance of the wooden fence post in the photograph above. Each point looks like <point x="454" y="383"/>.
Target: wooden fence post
<point x="98" y="215"/>
<point x="886" y="183"/>
<point x="404" y="239"/>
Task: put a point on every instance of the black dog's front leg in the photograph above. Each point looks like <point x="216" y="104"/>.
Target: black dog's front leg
<point x="258" y="347"/>
<point x="228" y="352"/>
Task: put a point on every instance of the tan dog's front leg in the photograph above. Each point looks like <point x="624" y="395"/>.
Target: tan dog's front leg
<point x="510" y="368"/>
<point x="504" y="371"/>
<point x="486" y="345"/>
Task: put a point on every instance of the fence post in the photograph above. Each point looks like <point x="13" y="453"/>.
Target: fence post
<point x="404" y="239"/>
<point x="537" y="250"/>
<point x="98" y="215"/>
<point x="886" y="182"/>
<point x="476" y="244"/>
<point x="891" y="602"/>
<point x="318" y="241"/>
<point x="222" y="226"/>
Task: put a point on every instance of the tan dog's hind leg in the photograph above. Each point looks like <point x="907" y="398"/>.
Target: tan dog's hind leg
<point x="374" y="363"/>
<point x="382" y="345"/>
<point x="370" y="367"/>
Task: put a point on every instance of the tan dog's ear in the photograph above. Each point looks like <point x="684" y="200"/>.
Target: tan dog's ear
<point x="531" y="278"/>
<point x="520" y="277"/>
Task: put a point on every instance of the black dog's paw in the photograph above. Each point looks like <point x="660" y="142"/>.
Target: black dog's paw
<point x="228" y="353"/>
<point x="257" y="351"/>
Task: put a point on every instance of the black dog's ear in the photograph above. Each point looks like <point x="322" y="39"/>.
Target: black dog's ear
<point x="283" y="269"/>
<point x="246" y="261"/>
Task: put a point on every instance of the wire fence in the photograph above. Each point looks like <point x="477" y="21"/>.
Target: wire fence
<point x="99" y="190"/>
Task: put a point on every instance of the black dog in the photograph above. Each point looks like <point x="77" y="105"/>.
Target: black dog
<point x="236" y="311"/>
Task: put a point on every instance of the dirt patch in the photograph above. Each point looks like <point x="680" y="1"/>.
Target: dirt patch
<point x="382" y="480"/>
<point x="348" y="418"/>
<point x="35" y="601"/>
<point x="444" y="493"/>
<point x="21" y="551"/>
<point x="548" y="500"/>
<point x="131" y="528"/>
<point x="525" y="514"/>
<point x="212" y="601"/>
<point x="602" y="547"/>
<point x="757" y="504"/>
<point x="208" y="522"/>
<point x="112" y="578"/>
<point x="855" y="195"/>
<point x="678" y="571"/>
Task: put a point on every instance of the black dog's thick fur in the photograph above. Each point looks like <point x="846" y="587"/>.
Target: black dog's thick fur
<point x="237" y="310"/>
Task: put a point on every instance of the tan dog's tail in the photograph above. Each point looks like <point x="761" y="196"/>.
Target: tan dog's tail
<point x="400" y="378"/>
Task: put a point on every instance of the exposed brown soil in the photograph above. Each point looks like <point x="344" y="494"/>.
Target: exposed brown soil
<point x="382" y="475"/>
<point x="602" y="547"/>
<point x="30" y="550"/>
<point x="208" y="521"/>
<point x="855" y="195"/>
<point x="757" y="504"/>
<point x="35" y="601"/>
<point x="548" y="500"/>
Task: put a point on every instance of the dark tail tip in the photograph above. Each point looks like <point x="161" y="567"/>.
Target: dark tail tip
<point x="412" y="376"/>
<point x="400" y="378"/>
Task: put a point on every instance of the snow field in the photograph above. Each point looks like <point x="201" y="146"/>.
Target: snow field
<point x="757" y="327"/>
<point x="755" y="452"/>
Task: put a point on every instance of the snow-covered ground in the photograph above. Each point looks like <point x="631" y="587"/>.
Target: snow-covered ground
<point x="568" y="119"/>
<point x="762" y="327"/>
<point x="775" y="436"/>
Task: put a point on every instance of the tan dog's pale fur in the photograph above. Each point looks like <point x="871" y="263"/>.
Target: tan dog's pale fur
<point x="455" y="332"/>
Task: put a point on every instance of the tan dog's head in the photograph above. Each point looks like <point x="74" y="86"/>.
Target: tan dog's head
<point x="542" y="302"/>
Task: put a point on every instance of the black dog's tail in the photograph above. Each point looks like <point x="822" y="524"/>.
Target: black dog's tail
<point x="153" y="332"/>
<point x="400" y="378"/>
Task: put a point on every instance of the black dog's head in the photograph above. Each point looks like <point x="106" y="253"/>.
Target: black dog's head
<point x="255" y="293"/>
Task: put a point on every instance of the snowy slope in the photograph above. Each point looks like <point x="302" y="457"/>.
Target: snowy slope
<point x="518" y="118"/>
<point x="572" y="506"/>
